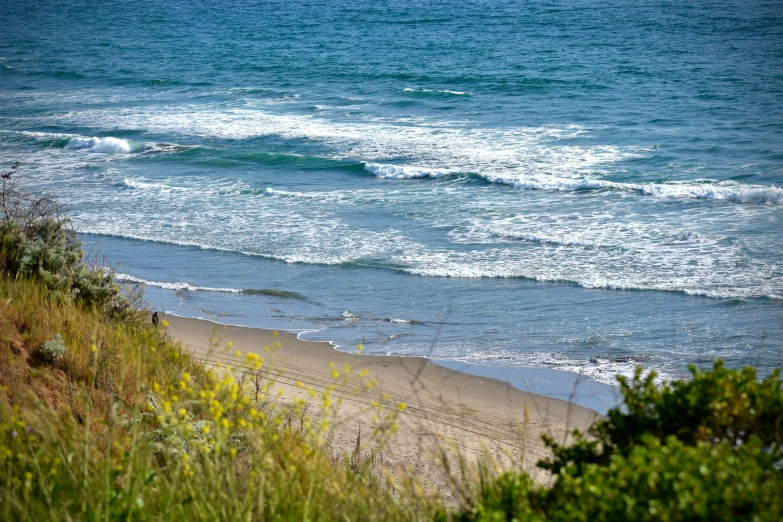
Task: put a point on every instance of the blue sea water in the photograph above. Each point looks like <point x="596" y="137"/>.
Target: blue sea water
<point x="579" y="185"/>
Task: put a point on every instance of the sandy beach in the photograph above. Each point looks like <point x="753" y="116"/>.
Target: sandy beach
<point x="444" y="409"/>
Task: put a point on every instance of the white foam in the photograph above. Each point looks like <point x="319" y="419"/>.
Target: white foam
<point x="601" y="369"/>
<point x="127" y="278"/>
<point x="388" y="171"/>
<point x="350" y="317"/>
<point x="437" y="145"/>
<point x="721" y="191"/>
<point x="729" y="191"/>
<point x="443" y="91"/>
<point x="531" y="158"/>
<point x="106" y="145"/>
<point x="338" y="197"/>
<point x="143" y="185"/>
<point x="552" y="183"/>
<point x="46" y="135"/>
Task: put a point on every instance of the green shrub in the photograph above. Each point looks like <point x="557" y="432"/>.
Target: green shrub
<point x="667" y="481"/>
<point x="674" y="481"/>
<point x="36" y="241"/>
<point x="49" y="251"/>
<point x="704" y="449"/>
<point x="54" y="350"/>
<point x="721" y="405"/>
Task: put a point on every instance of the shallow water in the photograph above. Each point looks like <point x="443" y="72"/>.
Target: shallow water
<point x="584" y="186"/>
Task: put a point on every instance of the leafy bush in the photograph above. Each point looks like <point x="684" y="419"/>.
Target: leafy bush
<point x="35" y="241"/>
<point x="705" y="449"/>
<point x="674" y="481"/>
<point x="666" y="481"/>
<point x="721" y="405"/>
<point x="54" y="350"/>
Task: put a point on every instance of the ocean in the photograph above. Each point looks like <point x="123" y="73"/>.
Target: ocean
<point x="585" y="186"/>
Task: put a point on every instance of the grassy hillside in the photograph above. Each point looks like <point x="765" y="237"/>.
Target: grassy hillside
<point x="106" y="419"/>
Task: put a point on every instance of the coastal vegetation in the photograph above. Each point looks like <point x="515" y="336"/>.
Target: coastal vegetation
<point x="104" y="417"/>
<point x="709" y="448"/>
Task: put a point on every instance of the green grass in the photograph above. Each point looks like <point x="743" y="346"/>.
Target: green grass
<point x="127" y="426"/>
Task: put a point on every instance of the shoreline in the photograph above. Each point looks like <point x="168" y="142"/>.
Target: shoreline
<point x="546" y="382"/>
<point x="474" y="415"/>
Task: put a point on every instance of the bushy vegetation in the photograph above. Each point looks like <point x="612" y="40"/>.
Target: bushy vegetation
<point x="36" y="241"/>
<point x="705" y="449"/>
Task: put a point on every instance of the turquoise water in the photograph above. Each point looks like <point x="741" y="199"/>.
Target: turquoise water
<point x="583" y="186"/>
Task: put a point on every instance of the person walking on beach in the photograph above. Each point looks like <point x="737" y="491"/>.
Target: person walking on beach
<point x="155" y="319"/>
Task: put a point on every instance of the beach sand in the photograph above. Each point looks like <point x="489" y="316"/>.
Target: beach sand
<point x="445" y="409"/>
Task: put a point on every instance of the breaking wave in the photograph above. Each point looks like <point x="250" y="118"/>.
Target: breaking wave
<point x="271" y="292"/>
<point x="403" y="172"/>
<point x="431" y="92"/>
<point x="106" y="145"/>
<point x="703" y="189"/>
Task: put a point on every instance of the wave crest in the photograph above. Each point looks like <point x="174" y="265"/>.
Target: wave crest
<point x="388" y="171"/>
<point x="722" y="191"/>
<point x="142" y="185"/>
<point x="270" y="292"/>
<point x="433" y="92"/>
<point x="107" y="145"/>
<point x="127" y="278"/>
<point x="705" y="189"/>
